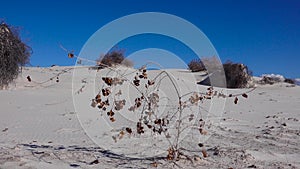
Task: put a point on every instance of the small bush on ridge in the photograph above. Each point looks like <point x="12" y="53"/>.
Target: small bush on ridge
<point x="196" y="65"/>
<point x="115" y="57"/>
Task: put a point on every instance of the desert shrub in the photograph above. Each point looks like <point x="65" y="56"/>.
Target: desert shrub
<point x="271" y="79"/>
<point x="237" y="75"/>
<point x="204" y="63"/>
<point x="13" y="53"/>
<point x="196" y="65"/>
<point x="290" y="81"/>
<point x="115" y="57"/>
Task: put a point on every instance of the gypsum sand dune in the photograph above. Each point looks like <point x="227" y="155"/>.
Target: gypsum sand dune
<point x="40" y="129"/>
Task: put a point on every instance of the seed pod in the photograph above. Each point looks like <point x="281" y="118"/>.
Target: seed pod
<point x="245" y="95"/>
<point x="28" y="78"/>
<point x="150" y="82"/>
<point x="204" y="153"/>
<point x="107" y="80"/>
<point x="154" y="164"/>
<point x="129" y="130"/>
<point x="98" y="98"/>
<point x="136" y="82"/>
<point x="70" y="55"/>
<point x="157" y="121"/>
<point x="105" y="92"/>
<point x="94" y="103"/>
<point x="112" y="119"/>
<point x="236" y="100"/>
<point x="110" y="113"/>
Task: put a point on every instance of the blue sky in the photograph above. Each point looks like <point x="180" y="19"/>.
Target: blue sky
<point x="265" y="35"/>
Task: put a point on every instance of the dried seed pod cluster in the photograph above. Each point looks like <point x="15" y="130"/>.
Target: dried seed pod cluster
<point x="139" y="128"/>
<point x="29" y="78"/>
<point x="119" y="104"/>
<point x="171" y="154"/>
<point x="112" y="81"/>
<point x="146" y="105"/>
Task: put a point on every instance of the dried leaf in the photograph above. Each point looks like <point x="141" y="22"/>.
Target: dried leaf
<point x="136" y="82"/>
<point x="202" y="131"/>
<point x="112" y="119"/>
<point x="114" y="138"/>
<point x="119" y="104"/>
<point x="98" y="98"/>
<point x="154" y="164"/>
<point x="165" y="122"/>
<point x="70" y="55"/>
<point x="245" y="95"/>
<point x="150" y="82"/>
<point x="105" y="92"/>
<point x="157" y="121"/>
<point x="121" y="134"/>
<point x="101" y="105"/>
<point x="107" y="80"/>
<point x="236" y="100"/>
<point x="29" y="78"/>
<point x="204" y="153"/>
<point x="94" y="103"/>
<point x="129" y="130"/>
<point x="110" y="113"/>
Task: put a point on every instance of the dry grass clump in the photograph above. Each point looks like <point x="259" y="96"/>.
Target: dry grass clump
<point x="113" y="58"/>
<point x="203" y="64"/>
<point x="196" y="65"/>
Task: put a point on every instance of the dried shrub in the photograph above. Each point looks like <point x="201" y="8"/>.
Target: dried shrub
<point x="196" y="65"/>
<point x="170" y="125"/>
<point x="237" y="75"/>
<point x="290" y="81"/>
<point x="204" y="63"/>
<point x="271" y="79"/>
<point x="13" y="54"/>
<point x="115" y="57"/>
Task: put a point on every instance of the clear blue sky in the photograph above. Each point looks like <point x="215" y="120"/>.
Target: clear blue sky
<point x="265" y="35"/>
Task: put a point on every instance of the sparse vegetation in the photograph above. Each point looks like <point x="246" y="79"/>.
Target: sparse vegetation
<point x="196" y="65"/>
<point x="290" y="81"/>
<point x="237" y="75"/>
<point x="115" y="57"/>
<point x="13" y="54"/>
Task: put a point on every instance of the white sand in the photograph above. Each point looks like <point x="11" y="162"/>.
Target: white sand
<point x="40" y="127"/>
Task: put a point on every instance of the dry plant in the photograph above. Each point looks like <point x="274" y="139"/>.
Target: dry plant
<point x="13" y="54"/>
<point x="180" y="117"/>
<point x="197" y="65"/>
